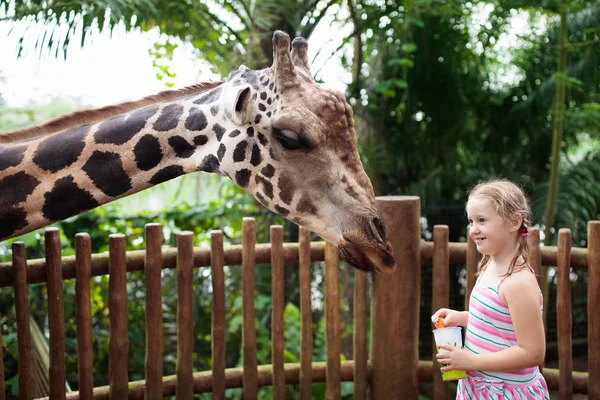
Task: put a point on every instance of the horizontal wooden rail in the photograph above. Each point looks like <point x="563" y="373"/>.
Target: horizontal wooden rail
<point x="233" y="379"/>
<point x="458" y="254"/>
<point x="36" y="272"/>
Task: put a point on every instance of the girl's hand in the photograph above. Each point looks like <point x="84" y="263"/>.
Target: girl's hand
<point x="450" y="317"/>
<point x="455" y="358"/>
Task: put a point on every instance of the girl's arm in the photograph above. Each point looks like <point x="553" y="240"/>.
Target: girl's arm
<point x="451" y="317"/>
<point x="521" y="294"/>
<point x="464" y="318"/>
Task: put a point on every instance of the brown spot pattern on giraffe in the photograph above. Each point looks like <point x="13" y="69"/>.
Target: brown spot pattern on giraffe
<point x="286" y="188"/>
<point x="181" y="147"/>
<point x="61" y="150"/>
<point x="200" y="140"/>
<point x="219" y="131"/>
<point x="169" y="118"/>
<point x="196" y="120"/>
<point x="167" y="173"/>
<point x="119" y="130"/>
<point x="306" y="206"/>
<point x="66" y="199"/>
<point x="105" y="169"/>
<point x="147" y="153"/>
<point x="242" y="177"/>
<point x="256" y="157"/>
<point x="268" y="171"/>
<point x="11" y="156"/>
<point x="210" y="163"/>
<point x="267" y="186"/>
<point x="221" y="152"/>
<point x="239" y="154"/>
<point x="15" y="188"/>
<point x="12" y="220"/>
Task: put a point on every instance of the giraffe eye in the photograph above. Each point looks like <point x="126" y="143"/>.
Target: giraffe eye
<point x="288" y="139"/>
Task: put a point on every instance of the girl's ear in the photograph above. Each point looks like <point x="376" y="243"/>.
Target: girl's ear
<point x="516" y="222"/>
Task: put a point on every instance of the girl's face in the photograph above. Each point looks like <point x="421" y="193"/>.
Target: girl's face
<point x="490" y="232"/>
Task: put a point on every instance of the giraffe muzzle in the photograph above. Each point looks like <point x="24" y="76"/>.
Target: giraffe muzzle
<point x="367" y="248"/>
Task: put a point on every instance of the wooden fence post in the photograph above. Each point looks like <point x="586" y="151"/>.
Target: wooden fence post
<point x="306" y="342"/>
<point x="395" y="304"/>
<point x="563" y="311"/>
<point x="592" y="311"/>
<point x="118" y="342"/>
<point x="83" y="316"/>
<point x="440" y="283"/>
<point x="471" y="267"/>
<point x="153" y="364"/>
<point x="56" y="314"/>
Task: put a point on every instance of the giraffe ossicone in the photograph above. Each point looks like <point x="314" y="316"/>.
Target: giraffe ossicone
<point x="278" y="135"/>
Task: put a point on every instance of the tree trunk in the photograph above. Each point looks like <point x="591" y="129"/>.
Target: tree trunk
<point x="557" y="135"/>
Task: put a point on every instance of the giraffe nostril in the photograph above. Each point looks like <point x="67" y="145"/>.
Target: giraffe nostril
<point x="380" y="228"/>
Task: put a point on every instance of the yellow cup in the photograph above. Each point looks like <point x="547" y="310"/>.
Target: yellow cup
<point x="451" y="336"/>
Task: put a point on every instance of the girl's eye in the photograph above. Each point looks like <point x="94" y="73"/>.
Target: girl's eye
<point x="481" y="220"/>
<point x="288" y="139"/>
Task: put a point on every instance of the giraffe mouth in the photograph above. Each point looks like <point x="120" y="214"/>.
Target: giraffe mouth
<point x="370" y="257"/>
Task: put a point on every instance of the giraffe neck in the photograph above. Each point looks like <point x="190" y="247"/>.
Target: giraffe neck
<point x="62" y="175"/>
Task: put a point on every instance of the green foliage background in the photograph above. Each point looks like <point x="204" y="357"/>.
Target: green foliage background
<point x="435" y="113"/>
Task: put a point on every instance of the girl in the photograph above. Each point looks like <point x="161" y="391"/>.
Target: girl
<point x="505" y="340"/>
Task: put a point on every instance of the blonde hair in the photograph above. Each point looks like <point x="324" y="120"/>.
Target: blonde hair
<point x="508" y="200"/>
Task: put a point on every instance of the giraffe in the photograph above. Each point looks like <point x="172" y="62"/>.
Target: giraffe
<point x="279" y="136"/>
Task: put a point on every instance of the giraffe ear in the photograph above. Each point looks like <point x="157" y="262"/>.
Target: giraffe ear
<point x="241" y="108"/>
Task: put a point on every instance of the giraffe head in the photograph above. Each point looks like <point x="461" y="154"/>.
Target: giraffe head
<point x="291" y="144"/>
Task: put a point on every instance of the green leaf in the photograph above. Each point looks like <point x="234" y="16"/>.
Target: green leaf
<point x="402" y="84"/>
<point x="409" y="47"/>
<point x="417" y="22"/>
<point x="404" y="62"/>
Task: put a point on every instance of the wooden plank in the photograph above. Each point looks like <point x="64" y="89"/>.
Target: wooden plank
<point x="185" y="315"/>
<point x="440" y="297"/>
<point x="22" y="314"/>
<point x="56" y="315"/>
<point x="278" y="303"/>
<point x="36" y="269"/>
<point x="118" y="344"/>
<point x="361" y="322"/>
<point x="248" y="312"/>
<point x="218" y="315"/>
<point x="535" y="252"/>
<point x="535" y="260"/>
<point x="83" y="315"/>
<point x="2" y="385"/>
<point x="203" y="381"/>
<point x="234" y="377"/>
<point x="471" y="266"/>
<point x="153" y="363"/>
<point x="306" y="339"/>
<point x="563" y="311"/>
<point x="332" y="322"/>
<point x="395" y="303"/>
<point x="593" y="306"/>
<point x="458" y="254"/>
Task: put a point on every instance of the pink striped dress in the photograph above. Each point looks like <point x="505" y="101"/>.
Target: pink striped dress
<point x="489" y="330"/>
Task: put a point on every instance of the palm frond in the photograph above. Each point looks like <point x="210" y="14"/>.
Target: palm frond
<point x="62" y="19"/>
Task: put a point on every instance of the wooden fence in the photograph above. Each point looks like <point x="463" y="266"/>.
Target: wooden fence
<point x="393" y="369"/>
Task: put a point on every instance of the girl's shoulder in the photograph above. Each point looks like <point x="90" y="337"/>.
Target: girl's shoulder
<point x="520" y="282"/>
<point x="522" y="275"/>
